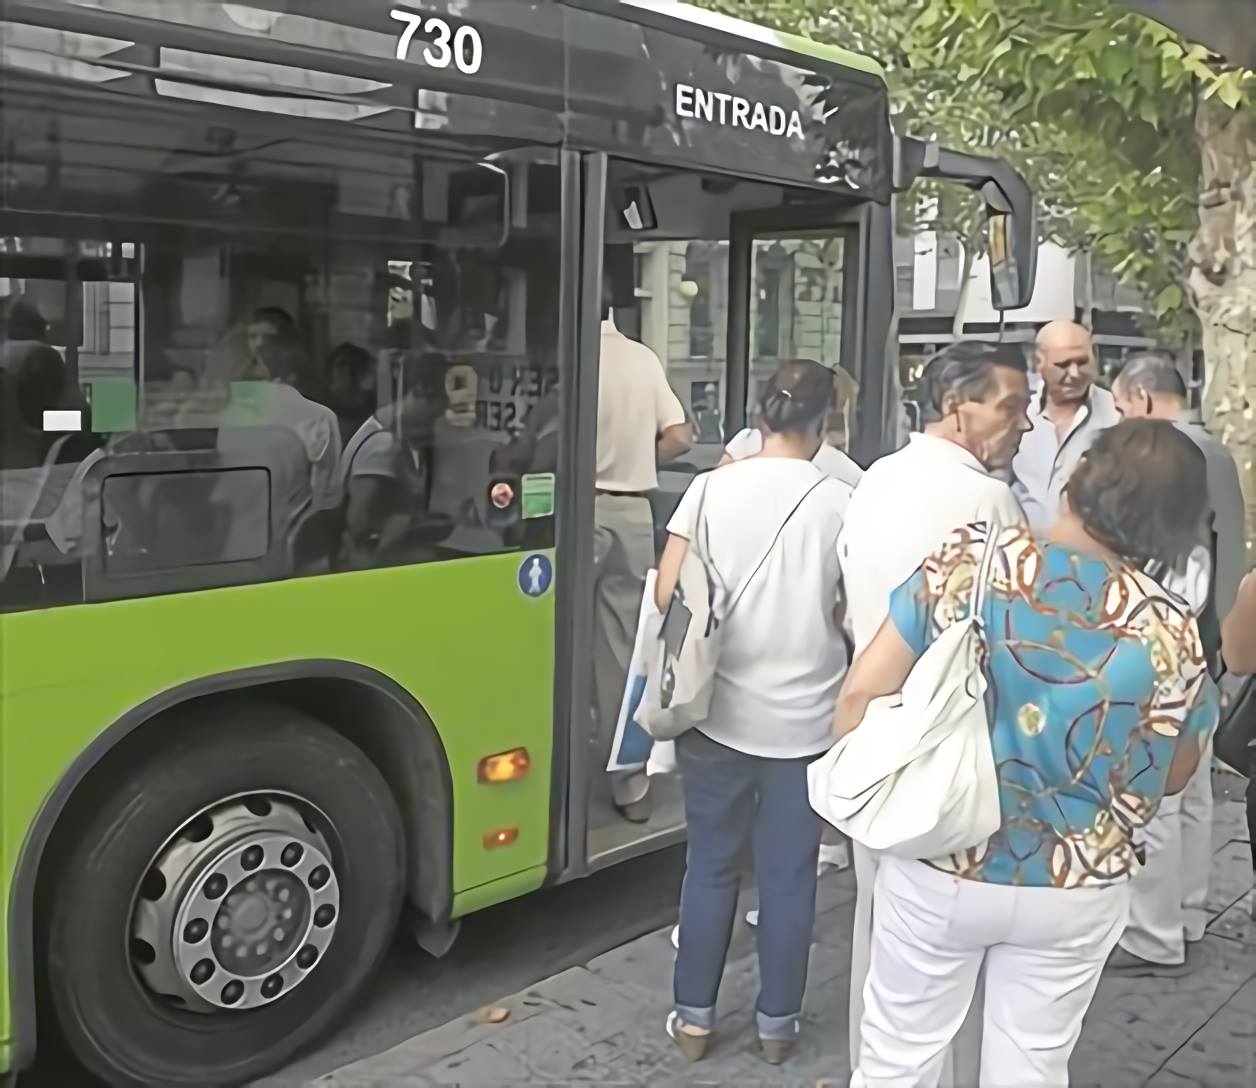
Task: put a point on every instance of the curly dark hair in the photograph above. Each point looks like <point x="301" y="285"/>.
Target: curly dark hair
<point x="1142" y="490"/>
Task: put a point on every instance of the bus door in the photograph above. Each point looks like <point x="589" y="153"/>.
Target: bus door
<point x="714" y="280"/>
<point x="817" y="283"/>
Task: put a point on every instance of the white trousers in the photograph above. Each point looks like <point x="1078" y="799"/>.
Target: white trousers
<point x="962" y="1060"/>
<point x="1043" y="951"/>
<point x="1170" y="890"/>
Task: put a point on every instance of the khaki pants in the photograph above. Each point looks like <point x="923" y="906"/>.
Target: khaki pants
<point x="962" y="1061"/>
<point x="623" y="551"/>
<point x="1170" y="890"/>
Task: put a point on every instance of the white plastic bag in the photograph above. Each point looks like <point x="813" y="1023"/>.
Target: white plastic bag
<point x="662" y="758"/>
<point x="632" y="747"/>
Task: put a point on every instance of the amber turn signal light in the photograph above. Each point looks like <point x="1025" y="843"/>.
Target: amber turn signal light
<point x="503" y="836"/>
<point x="503" y="767"/>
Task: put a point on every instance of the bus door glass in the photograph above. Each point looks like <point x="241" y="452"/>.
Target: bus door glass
<point x="801" y="307"/>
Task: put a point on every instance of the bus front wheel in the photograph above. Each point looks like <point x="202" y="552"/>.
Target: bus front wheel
<point x="226" y="897"/>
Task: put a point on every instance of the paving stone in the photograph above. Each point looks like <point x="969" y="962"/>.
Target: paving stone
<point x="1231" y="876"/>
<point x="1136" y="1025"/>
<point x="1236" y="922"/>
<point x="1223" y="1052"/>
<point x="604" y="1023"/>
<point x="1229" y="822"/>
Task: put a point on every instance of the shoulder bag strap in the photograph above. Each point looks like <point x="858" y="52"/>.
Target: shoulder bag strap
<point x="981" y="580"/>
<point x="768" y="551"/>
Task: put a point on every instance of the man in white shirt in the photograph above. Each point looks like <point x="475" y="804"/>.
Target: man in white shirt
<point x="1065" y="417"/>
<point x="1170" y="890"/>
<point x="640" y="424"/>
<point x="973" y="401"/>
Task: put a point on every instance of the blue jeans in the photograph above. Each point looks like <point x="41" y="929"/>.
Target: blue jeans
<point x="734" y="801"/>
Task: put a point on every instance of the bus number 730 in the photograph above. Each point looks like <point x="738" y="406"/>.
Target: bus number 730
<point x="462" y="47"/>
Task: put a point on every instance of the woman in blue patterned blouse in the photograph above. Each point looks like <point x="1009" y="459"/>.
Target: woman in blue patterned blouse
<point x="1100" y="693"/>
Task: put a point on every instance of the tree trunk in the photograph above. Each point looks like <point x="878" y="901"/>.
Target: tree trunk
<point x="1223" y="285"/>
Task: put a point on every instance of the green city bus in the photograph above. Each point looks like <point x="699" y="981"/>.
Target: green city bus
<point x="301" y="307"/>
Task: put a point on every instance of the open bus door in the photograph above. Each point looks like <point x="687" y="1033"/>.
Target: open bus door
<point x="722" y="278"/>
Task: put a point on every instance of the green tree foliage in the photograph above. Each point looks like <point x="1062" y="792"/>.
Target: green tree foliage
<point x="1095" y="104"/>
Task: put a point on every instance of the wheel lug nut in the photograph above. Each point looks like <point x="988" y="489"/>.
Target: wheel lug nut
<point x="292" y="853"/>
<point x="285" y="894"/>
<point x="324" y="915"/>
<point x="215" y="886"/>
<point x="202" y="972"/>
<point x="278" y="934"/>
<point x="319" y="877"/>
<point x="252" y="858"/>
<point x="307" y="957"/>
<point x="194" y="932"/>
<point x="232" y="992"/>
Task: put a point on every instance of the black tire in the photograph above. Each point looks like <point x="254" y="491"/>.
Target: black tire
<point x="127" y="1035"/>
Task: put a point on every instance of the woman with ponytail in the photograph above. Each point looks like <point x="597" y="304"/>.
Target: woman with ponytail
<point x="769" y="526"/>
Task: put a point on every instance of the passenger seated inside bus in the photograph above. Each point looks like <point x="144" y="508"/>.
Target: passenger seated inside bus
<point x="387" y="471"/>
<point x="37" y="464"/>
<point x="351" y="387"/>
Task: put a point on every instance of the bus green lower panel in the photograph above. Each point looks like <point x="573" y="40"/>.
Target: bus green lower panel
<point x="460" y="636"/>
<point x="510" y="887"/>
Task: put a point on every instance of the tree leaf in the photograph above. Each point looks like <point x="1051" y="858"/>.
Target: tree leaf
<point x="1169" y="299"/>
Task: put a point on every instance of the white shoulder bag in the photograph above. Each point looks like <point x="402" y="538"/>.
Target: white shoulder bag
<point x="681" y="673"/>
<point x="917" y="778"/>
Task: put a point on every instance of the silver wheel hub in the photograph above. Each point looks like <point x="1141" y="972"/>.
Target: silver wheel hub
<point x="237" y="908"/>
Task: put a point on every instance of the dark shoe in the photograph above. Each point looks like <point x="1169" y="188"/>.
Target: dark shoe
<point x="692" y="1047"/>
<point x="637" y="812"/>
<point x="1132" y="966"/>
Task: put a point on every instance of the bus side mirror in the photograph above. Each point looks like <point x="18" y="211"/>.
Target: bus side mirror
<point x="1011" y="247"/>
<point x="1005" y="291"/>
<point x="1011" y="218"/>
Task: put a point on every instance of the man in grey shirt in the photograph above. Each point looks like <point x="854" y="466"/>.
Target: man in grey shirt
<point x="1151" y="385"/>
<point x="1066" y="416"/>
<point x="1170" y="890"/>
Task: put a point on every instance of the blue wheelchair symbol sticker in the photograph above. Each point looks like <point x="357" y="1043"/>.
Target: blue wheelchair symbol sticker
<point x="536" y="574"/>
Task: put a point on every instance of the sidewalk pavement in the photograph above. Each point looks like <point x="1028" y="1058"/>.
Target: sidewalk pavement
<point x="604" y="1022"/>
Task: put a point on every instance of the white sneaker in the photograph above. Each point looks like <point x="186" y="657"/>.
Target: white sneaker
<point x="676" y="937"/>
<point x="752" y="917"/>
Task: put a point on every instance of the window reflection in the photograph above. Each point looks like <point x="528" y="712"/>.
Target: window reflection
<point x="259" y="404"/>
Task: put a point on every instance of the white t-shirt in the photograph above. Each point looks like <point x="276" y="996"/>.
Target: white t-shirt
<point x="905" y="506"/>
<point x="828" y="459"/>
<point x="782" y="658"/>
<point x="634" y="405"/>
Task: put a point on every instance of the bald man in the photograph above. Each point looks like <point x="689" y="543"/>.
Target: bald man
<point x="1067" y="414"/>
